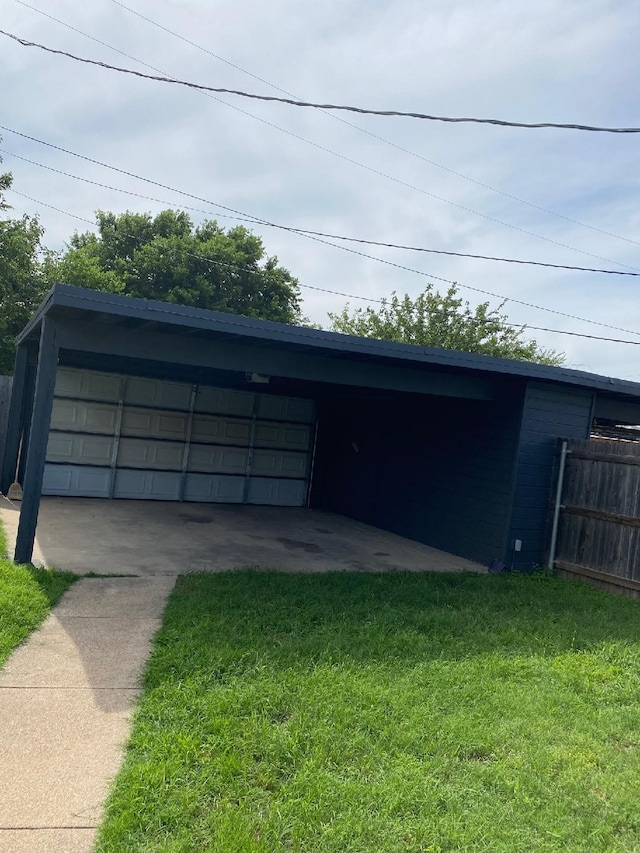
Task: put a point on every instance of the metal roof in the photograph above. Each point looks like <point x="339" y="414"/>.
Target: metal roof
<point x="80" y="303"/>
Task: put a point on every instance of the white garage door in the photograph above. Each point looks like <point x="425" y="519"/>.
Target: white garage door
<point x="129" y="437"/>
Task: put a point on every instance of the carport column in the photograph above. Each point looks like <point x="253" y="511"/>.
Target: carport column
<point x="15" y="421"/>
<point x="27" y="409"/>
<point x="38" y="437"/>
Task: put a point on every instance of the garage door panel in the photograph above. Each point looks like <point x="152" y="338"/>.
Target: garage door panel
<point x="274" y="492"/>
<point x="214" y="430"/>
<point x="214" y="488"/>
<point x="222" y="460"/>
<point x="285" y="408"/>
<point x="282" y="436"/>
<point x="165" y="453"/>
<point x="83" y="416"/>
<point x="224" y="401"/>
<point x="157" y="393"/>
<point x="76" y="481"/>
<point x="87" y="384"/>
<point x="145" y="453"/>
<point x="150" y="423"/>
<point x="279" y="463"/>
<point x="147" y="485"/>
<point x="80" y="449"/>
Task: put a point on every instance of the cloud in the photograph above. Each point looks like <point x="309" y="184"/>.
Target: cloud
<point x="573" y="61"/>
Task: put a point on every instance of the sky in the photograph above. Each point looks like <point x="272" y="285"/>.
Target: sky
<point x="554" y="196"/>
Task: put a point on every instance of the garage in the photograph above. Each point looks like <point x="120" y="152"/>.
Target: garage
<point x="118" y="436"/>
<point x="129" y="399"/>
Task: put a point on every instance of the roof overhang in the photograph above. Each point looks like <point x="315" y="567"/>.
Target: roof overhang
<point x="121" y="314"/>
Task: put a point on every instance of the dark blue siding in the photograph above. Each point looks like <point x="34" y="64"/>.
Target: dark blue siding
<point x="550" y="412"/>
<point x="434" y="469"/>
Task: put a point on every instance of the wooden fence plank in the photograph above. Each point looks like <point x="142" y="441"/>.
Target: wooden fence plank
<point x="599" y="528"/>
<point x="609" y="457"/>
<point x="601" y="580"/>
<point x="604" y="516"/>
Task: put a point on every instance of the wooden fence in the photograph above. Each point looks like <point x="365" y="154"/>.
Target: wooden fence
<point x="599" y="527"/>
<point x="6" y="384"/>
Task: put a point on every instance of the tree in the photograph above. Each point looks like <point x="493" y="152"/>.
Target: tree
<point x="444" y="321"/>
<point x="23" y="279"/>
<point x="166" y="258"/>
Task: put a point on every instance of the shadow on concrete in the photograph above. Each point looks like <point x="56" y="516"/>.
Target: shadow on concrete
<point x="96" y="640"/>
<point x="66" y="699"/>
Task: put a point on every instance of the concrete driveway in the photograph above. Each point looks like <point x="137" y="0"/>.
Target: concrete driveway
<point x="162" y="538"/>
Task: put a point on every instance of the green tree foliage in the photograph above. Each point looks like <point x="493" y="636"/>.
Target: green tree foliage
<point x="23" y="278"/>
<point x="166" y="258"/>
<point x="445" y="321"/>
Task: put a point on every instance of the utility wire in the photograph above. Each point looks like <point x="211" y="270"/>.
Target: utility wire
<point x="135" y="194"/>
<point x="474" y="289"/>
<point x="350" y="160"/>
<point x="296" y="230"/>
<point x="257" y="220"/>
<point x="522" y="326"/>
<point x="458" y="254"/>
<point x="296" y="103"/>
<point x="330" y="115"/>
<point x="418" y="272"/>
<point x="343" y="248"/>
<point x="581" y="335"/>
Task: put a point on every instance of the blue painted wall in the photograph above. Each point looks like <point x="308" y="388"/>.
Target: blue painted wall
<point x="550" y="412"/>
<point x="434" y="469"/>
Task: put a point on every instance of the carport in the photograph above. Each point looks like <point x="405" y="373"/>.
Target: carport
<point x="127" y="399"/>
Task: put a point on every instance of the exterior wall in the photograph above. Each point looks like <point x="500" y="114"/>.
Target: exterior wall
<point x="432" y="469"/>
<point x="550" y="412"/>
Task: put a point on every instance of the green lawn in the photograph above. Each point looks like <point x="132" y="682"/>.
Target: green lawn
<point x="352" y="713"/>
<point x="26" y="596"/>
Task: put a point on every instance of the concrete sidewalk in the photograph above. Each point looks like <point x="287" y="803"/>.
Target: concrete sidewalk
<point x="66" y="698"/>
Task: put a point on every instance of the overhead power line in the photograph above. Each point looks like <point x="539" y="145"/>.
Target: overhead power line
<point x="295" y="229"/>
<point x="554" y="311"/>
<point x="215" y="262"/>
<point x="342" y="107"/>
<point x="351" y="160"/>
<point x="582" y="335"/>
<point x="134" y="194"/>
<point x="459" y="254"/>
<point x="337" y="118"/>
<point x="260" y="221"/>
